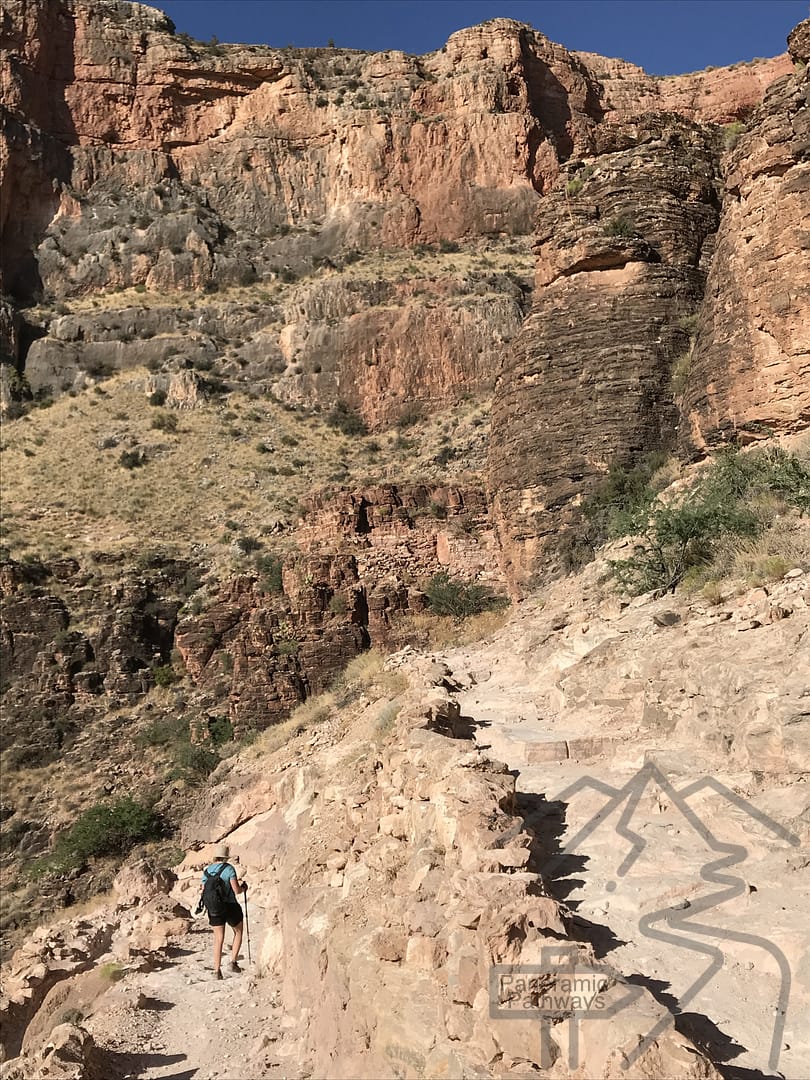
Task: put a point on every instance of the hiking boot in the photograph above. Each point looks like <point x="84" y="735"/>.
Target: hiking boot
<point x="235" y="966"/>
<point x="217" y="974"/>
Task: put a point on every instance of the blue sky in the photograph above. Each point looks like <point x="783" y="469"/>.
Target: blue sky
<point x="663" y="36"/>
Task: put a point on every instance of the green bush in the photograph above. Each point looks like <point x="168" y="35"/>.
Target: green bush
<point x="193" y="762"/>
<point x="460" y="599"/>
<point x="574" y="186"/>
<point x="620" y="504"/>
<point x="621" y="225"/>
<point x="732" y="133"/>
<point x="105" y="829"/>
<point x="157" y="397"/>
<point x="164" y="675"/>
<point x="270" y="568"/>
<point x="164" y="422"/>
<point x="221" y="730"/>
<point x="739" y="495"/>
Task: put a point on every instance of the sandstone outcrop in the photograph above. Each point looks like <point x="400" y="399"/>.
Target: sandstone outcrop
<point x="749" y="375"/>
<point x="363" y="557"/>
<point x="587" y="383"/>
<point x="61" y="967"/>
<point x="395" y="884"/>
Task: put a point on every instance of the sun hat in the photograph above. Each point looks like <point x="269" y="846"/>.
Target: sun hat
<point x="222" y="852"/>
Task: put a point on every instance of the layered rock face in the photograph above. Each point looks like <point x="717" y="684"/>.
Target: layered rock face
<point x="135" y="157"/>
<point x="750" y="367"/>
<point x="622" y="268"/>
<point x="621" y="250"/>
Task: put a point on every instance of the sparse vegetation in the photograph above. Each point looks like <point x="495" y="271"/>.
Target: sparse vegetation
<point x="621" y="226"/>
<point x="460" y="599"/>
<point x="732" y="133"/>
<point x="104" y="829"/>
<point x="736" y="502"/>
<point x="345" y="420"/>
<point x="680" y="372"/>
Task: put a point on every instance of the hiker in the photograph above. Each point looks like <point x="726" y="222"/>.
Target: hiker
<point x="220" y="887"/>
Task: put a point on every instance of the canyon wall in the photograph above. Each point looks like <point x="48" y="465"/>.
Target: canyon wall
<point x="134" y="157"/>
<point x="749" y="375"/>
<point x="622" y="308"/>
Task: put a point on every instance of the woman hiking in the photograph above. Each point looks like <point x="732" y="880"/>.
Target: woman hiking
<point x="220" y="887"/>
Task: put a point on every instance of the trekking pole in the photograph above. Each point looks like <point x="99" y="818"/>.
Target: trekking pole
<point x="247" y="927"/>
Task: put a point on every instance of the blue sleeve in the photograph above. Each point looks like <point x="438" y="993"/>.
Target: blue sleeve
<point x="228" y="873"/>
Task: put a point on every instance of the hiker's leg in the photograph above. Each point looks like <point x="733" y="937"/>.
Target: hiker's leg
<point x="237" y="942"/>
<point x="219" y="940"/>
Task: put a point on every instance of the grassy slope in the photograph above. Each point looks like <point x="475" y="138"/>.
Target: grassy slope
<point x="225" y="463"/>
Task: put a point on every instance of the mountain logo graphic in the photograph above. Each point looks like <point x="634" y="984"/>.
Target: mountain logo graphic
<point x="534" y="991"/>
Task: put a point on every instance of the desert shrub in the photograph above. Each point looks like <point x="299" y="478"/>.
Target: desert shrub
<point x="131" y="459"/>
<point x="619" y="505"/>
<point x="192" y="762"/>
<point x="112" y="971"/>
<point x="104" y="829"/>
<point x="164" y="731"/>
<point x="157" y="397"/>
<point x="11" y="833"/>
<point x="621" y="225"/>
<point x="574" y="186"/>
<point x="338" y="604"/>
<point x="270" y="568"/>
<point x="164" y="675"/>
<point x="738" y="498"/>
<point x="460" y="599"/>
<point x="164" y="422"/>
<point x="448" y="247"/>
<point x="345" y="420"/>
<point x="678" y="538"/>
<point x="221" y="730"/>
<point x="71" y="1016"/>
<point x="247" y="544"/>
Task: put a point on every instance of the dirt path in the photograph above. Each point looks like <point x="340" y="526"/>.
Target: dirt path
<point x="178" y="1023"/>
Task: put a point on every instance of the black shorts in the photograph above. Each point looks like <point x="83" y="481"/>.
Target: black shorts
<point x="232" y="915"/>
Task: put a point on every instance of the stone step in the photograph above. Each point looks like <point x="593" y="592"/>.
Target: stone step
<point x="524" y="745"/>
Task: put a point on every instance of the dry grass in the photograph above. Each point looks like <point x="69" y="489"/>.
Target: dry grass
<point x="768" y="557"/>
<point x="219" y="476"/>
<point x="741" y="563"/>
<point x="394" y="264"/>
<point x="439" y="632"/>
<point x="365" y="676"/>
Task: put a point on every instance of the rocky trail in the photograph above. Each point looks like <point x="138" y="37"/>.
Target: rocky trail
<point x="177" y="1023"/>
<point x="687" y="871"/>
